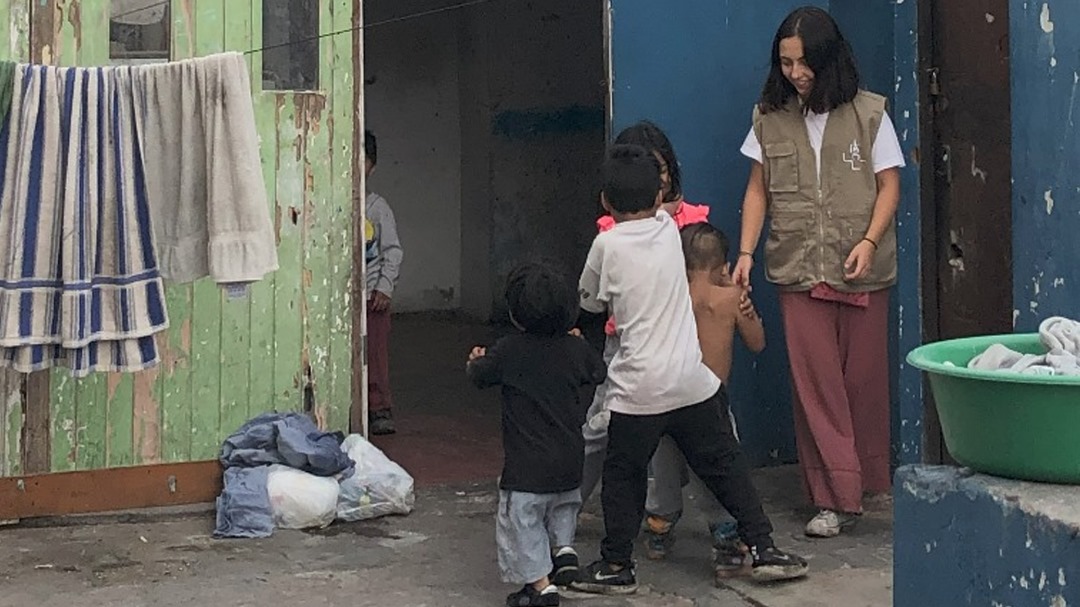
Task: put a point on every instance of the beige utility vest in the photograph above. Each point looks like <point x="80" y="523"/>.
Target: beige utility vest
<point x="815" y="222"/>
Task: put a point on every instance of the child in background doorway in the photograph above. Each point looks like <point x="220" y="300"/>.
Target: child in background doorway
<point x="542" y="371"/>
<point x="383" y="253"/>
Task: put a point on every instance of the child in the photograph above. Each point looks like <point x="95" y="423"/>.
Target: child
<point x="542" y="371"/>
<point x="667" y="469"/>
<point x="721" y="309"/>
<point x="383" y="254"/>
<point x="657" y="383"/>
<point x="653" y="139"/>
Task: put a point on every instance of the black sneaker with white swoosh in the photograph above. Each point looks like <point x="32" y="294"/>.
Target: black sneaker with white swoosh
<point x="605" y="578"/>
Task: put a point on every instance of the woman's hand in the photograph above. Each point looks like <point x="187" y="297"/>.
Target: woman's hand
<point x="859" y="261"/>
<point x="741" y="275"/>
<point x="477" y="352"/>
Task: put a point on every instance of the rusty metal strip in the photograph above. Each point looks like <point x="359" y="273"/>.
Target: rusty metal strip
<point x="109" y="490"/>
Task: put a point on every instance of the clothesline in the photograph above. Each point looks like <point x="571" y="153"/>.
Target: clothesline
<point x="406" y="17"/>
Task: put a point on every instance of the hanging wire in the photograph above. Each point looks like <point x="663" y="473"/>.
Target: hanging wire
<point x="139" y="10"/>
<point x="406" y="17"/>
<point x="365" y="26"/>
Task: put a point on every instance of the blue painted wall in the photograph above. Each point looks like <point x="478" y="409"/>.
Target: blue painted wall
<point x="973" y="540"/>
<point x="1045" y="59"/>
<point x="697" y="70"/>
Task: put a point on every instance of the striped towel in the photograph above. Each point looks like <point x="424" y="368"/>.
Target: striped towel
<point x="79" y="284"/>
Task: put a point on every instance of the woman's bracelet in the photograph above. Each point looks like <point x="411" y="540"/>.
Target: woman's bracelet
<point x="868" y="239"/>
<point x="749" y="254"/>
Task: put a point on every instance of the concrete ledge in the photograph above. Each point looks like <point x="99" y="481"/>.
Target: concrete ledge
<point x="962" y="538"/>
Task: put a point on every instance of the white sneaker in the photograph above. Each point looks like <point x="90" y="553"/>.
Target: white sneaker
<point x="829" y="523"/>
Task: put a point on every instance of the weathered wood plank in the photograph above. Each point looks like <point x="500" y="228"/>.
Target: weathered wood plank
<point x="288" y="209"/>
<point x="175" y="379"/>
<point x="64" y="420"/>
<point x="236" y="344"/>
<point x="42" y="31"/>
<point x="183" y="28"/>
<point x="116" y="392"/>
<point x="91" y="433"/>
<point x="109" y="490"/>
<point x="206" y="295"/>
<point x="94" y="42"/>
<point x="146" y="419"/>
<point x="261" y="360"/>
<point x="67" y="32"/>
<point x="19" y="41"/>
<point x="358" y="413"/>
<point x="36" y="429"/>
<point x="339" y="372"/>
<point x="10" y="421"/>
<point x="6" y="51"/>
<point x="318" y="210"/>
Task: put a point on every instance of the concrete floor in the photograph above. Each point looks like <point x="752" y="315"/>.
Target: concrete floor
<point x="441" y="555"/>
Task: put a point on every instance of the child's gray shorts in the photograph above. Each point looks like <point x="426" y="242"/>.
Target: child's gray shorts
<point x="528" y="526"/>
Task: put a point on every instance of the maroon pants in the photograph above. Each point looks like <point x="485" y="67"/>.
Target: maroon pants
<point x="840" y="373"/>
<point x="378" y="360"/>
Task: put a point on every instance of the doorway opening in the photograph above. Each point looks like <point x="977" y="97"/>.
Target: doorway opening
<point x="491" y="124"/>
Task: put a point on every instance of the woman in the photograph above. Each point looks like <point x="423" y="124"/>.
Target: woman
<point x="826" y="172"/>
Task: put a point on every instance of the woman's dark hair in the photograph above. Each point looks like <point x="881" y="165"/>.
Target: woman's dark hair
<point x="836" y="77"/>
<point x="652" y="138"/>
<point x="541" y="299"/>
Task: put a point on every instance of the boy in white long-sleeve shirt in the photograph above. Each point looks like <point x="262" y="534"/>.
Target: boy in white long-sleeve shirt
<point x="383" y="252"/>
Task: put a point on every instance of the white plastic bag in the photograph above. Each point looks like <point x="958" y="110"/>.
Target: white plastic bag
<point x="377" y="488"/>
<point x="299" y="500"/>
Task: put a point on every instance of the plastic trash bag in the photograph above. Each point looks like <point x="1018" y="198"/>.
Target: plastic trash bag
<point x="378" y="486"/>
<point x="299" y="500"/>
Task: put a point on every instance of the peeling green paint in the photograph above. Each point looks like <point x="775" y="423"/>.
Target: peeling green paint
<point x="223" y="360"/>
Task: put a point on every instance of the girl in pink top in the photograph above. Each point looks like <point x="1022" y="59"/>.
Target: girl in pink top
<point x="649" y="136"/>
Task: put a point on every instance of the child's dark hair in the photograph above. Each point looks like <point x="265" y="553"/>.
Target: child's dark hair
<point x="541" y="299"/>
<point x="631" y="178"/>
<point x="836" y="77"/>
<point x="371" y="147"/>
<point x="652" y="138"/>
<point x="704" y="246"/>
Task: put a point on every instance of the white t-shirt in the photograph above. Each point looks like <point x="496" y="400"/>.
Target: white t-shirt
<point x="636" y="272"/>
<point x="886" y="153"/>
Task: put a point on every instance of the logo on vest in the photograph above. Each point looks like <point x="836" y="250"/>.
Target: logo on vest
<point x="854" y="156"/>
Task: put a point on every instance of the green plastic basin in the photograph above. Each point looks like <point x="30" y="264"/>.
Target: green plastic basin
<point x="1006" y="424"/>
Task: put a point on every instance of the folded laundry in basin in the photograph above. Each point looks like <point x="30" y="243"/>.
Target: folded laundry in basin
<point x="1061" y="336"/>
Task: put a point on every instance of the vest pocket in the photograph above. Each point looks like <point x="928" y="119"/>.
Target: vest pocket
<point x="786" y="250"/>
<point x="852" y="230"/>
<point x="783" y="166"/>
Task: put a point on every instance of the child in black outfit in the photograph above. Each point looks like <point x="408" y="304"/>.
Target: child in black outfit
<point x="543" y="371"/>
